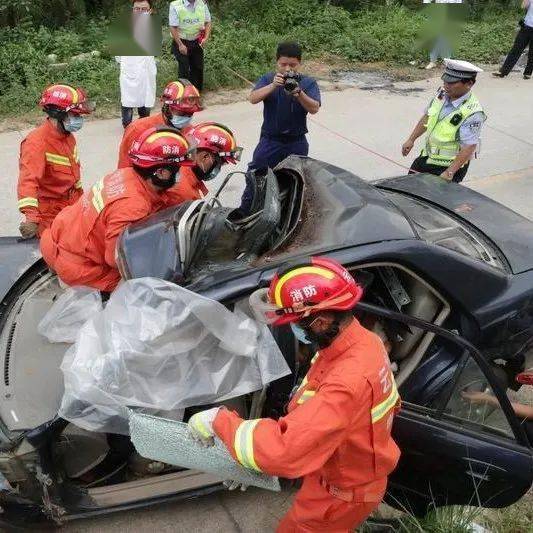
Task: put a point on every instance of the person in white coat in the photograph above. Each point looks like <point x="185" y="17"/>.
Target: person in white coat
<point x="137" y="73"/>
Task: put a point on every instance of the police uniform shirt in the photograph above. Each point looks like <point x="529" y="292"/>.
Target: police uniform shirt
<point x="470" y="130"/>
<point x="173" y="18"/>
<point x="283" y="115"/>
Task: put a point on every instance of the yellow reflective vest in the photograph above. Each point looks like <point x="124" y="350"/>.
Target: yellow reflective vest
<point x="191" y="23"/>
<point x="442" y="138"/>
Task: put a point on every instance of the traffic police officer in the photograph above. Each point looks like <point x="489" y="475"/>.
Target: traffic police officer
<point x="452" y="123"/>
<point x="190" y="26"/>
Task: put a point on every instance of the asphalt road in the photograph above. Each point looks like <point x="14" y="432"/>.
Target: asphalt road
<point x="351" y="128"/>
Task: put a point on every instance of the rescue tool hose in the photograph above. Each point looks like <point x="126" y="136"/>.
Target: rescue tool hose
<point x="517" y="428"/>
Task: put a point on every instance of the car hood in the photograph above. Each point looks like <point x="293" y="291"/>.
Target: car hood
<point x="509" y="231"/>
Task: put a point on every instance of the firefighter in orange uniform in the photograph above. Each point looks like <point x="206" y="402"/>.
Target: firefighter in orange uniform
<point x="49" y="175"/>
<point x="337" y="433"/>
<point x="215" y="145"/>
<point x="179" y="101"/>
<point x="80" y="244"/>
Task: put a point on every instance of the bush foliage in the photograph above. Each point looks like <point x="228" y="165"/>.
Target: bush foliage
<point x="244" y="39"/>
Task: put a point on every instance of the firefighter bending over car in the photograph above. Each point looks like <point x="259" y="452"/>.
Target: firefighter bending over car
<point x="49" y="165"/>
<point x="80" y="244"/>
<point x="337" y="433"/>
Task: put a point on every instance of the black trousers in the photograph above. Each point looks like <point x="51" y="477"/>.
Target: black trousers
<point x="420" y="164"/>
<point x="190" y="66"/>
<point x="524" y="38"/>
<point x="127" y="114"/>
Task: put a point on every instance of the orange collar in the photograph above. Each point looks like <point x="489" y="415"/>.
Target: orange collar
<point x="53" y="132"/>
<point x="343" y="342"/>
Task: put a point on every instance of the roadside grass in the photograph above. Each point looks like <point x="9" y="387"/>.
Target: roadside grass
<point x="244" y="38"/>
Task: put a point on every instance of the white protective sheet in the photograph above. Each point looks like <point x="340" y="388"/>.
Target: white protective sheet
<point x="68" y="314"/>
<point x="159" y="347"/>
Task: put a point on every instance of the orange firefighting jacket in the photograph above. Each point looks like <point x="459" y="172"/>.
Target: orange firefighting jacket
<point x="49" y="176"/>
<point x="339" y="421"/>
<point x="80" y="245"/>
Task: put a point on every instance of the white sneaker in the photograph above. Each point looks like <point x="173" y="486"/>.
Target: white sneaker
<point x="430" y="65"/>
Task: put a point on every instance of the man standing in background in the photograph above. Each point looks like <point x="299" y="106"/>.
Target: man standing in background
<point x="190" y="26"/>
<point x="287" y="98"/>
<point x="452" y="123"/>
<point x="524" y="38"/>
<point x="138" y="73"/>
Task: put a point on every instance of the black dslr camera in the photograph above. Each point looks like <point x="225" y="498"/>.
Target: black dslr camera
<point x="291" y="81"/>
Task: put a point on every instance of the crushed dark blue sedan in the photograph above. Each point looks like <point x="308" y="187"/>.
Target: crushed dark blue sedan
<point x="448" y="277"/>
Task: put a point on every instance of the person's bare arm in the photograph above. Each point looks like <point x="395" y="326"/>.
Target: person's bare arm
<point x="419" y="130"/>
<point x="175" y="32"/>
<point x="308" y="103"/>
<point x="208" y="28"/>
<point x="521" y="410"/>
<point x="463" y="157"/>
<point x="258" y="95"/>
<point x="525" y="4"/>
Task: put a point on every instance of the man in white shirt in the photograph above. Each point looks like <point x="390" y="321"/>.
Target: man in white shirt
<point x="138" y="73"/>
<point x="523" y="39"/>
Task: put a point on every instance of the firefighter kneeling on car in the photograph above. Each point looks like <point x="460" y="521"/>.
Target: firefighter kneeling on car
<point x="337" y="433"/>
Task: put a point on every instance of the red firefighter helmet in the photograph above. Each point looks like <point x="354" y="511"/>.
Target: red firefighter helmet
<point x="181" y="96"/>
<point x="216" y="138"/>
<point x="159" y="147"/>
<point x="66" y="98"/>
<point x="303" y="290"/>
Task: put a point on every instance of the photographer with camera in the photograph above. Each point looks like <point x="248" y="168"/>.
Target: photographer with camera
<point x="287" y="96"/>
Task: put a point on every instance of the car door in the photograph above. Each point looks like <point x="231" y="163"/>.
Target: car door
<point x="457" y="451"/>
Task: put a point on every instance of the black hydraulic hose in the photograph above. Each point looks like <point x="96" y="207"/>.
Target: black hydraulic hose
<point x="517" y="428"/>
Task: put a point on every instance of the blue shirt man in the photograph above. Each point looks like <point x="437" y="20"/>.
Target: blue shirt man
<point x="284" y="114"/>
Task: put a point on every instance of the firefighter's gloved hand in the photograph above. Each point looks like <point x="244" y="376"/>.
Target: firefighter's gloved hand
<point x="234" y="485"/>
<point x="201" y="426"/>
<point x="28" y="230"/>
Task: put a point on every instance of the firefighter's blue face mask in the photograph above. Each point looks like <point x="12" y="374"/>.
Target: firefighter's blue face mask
<point x="300" y="333"/>
<point x="73" y="123"/>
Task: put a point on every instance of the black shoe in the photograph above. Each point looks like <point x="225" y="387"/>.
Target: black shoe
<point x="527" y="76"/>
<point x="498" y="75"/>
